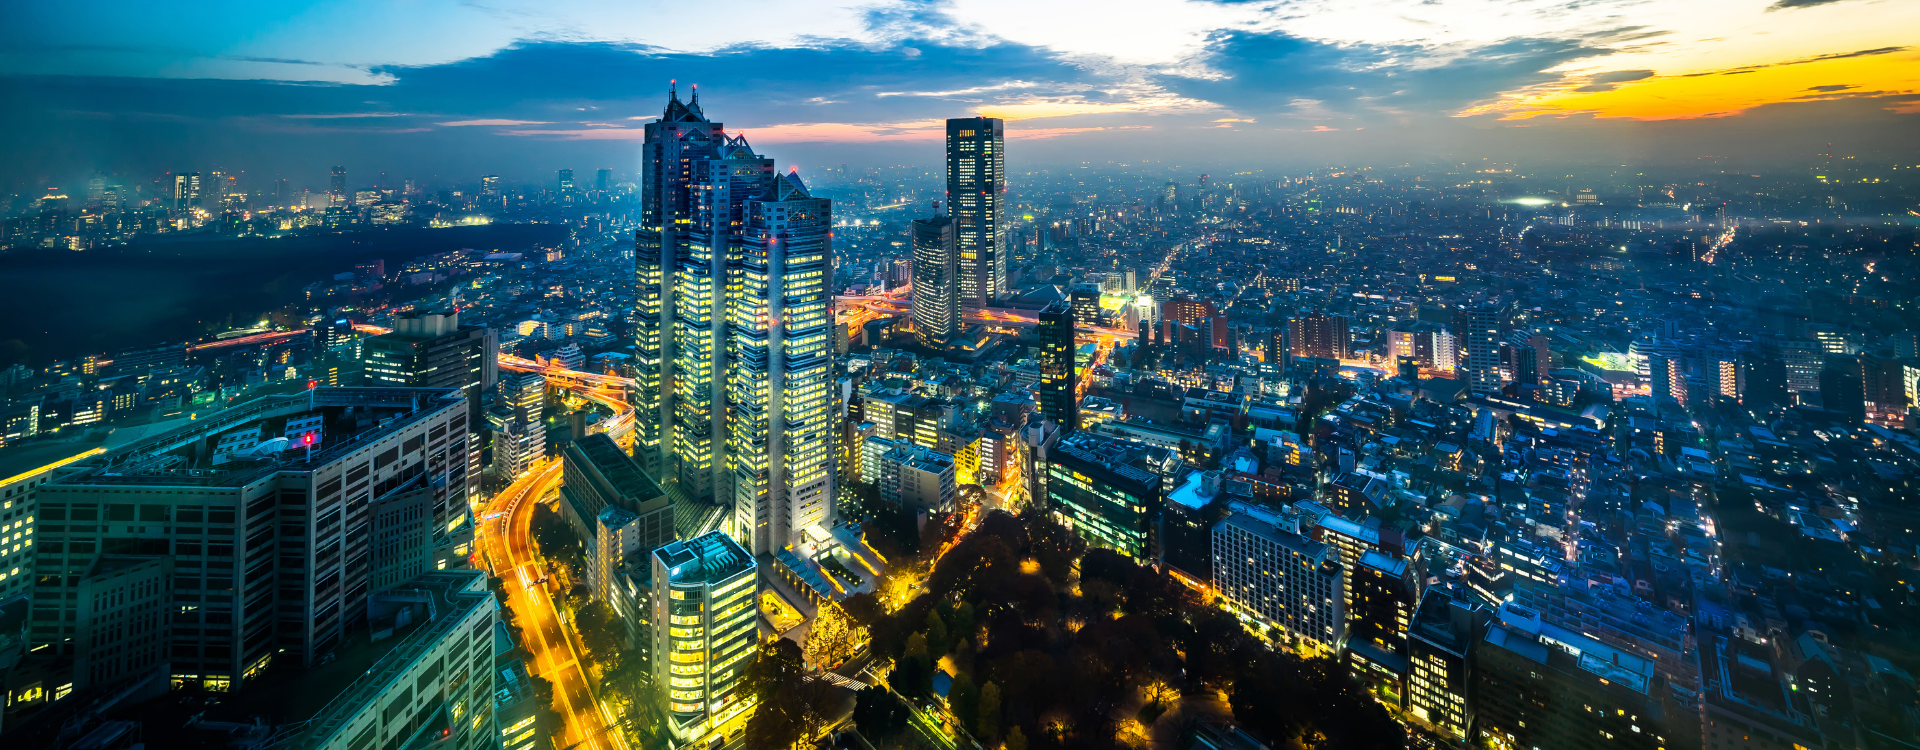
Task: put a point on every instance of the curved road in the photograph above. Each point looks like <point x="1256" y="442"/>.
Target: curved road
<point x="507" y="542"/>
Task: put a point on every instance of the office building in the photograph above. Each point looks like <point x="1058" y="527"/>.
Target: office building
<point x="705" y="626"/>
<point x="432" y="349"/>
<point x="1320" y="335"/>
<point x="913" y="477"/>
<point x="518" y="421"/>
<point x="669" y="201"/>
<point x="976" y="199"/>
<point x="267" y="514"/>
<point x="907" y="417"/>
<point x="936" y="302"/>
<point x="22" y="472"/>
<point x="1487" y="324"/>
<point x="618" y="510"/>
<point x="1537" y="685"/>
<point x="1439" y="679"/>
<point x="1059" y="389"/>
<point x="432" y="680"/>
<point x="186" y="191"/>
<point x="1277" y="580"/>
<point x="780" y="389"/>
<point x="337" y="193"/>
<point x="1109" y="491"/>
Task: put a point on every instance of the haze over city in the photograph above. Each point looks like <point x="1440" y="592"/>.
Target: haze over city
<point x="960" y="375"/>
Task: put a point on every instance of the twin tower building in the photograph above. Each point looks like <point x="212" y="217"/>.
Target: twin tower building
<point x="734" y="343"/>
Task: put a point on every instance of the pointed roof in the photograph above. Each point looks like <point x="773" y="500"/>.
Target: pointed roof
<point x="787" y="187"/>
<point x="678" y="112"/>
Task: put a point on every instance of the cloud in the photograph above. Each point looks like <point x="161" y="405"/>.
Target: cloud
<point x="1612" y="80"/>
<point x="1792" y="4"/>
<point x="491" y="122"/>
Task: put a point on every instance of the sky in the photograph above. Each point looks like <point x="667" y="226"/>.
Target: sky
<point x="447" y="89"/>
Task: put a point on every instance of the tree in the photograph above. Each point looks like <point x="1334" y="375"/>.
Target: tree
<point x="914" y="676"/>
<point x="1016" y="740"/>
<point x="833" y="637"/>
<point x="937" y="643"/>
<point x="878" y="713"/>
<point x="770" y="680"/>
<point x="988" y="724"/>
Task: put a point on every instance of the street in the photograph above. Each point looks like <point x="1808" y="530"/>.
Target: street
<point x="555" y="654"/>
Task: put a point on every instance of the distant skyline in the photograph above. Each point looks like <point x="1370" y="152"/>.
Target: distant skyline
<point x="454" y="89"/>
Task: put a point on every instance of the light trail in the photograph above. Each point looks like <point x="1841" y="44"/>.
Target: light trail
<point x="509" y="547"/>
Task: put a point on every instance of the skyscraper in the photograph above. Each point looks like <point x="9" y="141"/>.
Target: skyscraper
<point x="976" y="193"/>
<point x="733" y="344"/>
<point x="780" y="382"/>
<point x="337" y="189"/>
<point x="1059" y="395"/>
<point x="695" y="181"/>
<point x="1487" y="325"/>
<point x="186" y="191"/>
<point x="936" y="304"/>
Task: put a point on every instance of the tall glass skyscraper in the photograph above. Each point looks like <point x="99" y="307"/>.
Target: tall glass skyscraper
<point x="936" y="308"/>
<point x="733" y="343"/>
<point x="780" y="383"/>
<point x="977" y="195"/>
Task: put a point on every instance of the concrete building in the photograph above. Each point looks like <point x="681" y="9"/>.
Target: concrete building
<point x="1439" y="681"/>
<point x="433" y="682"/>
<point x="1278" y="580"/>
<point x="916" y="478"/>
<point x="518" y="419"/>
<point x="274" y="547"/>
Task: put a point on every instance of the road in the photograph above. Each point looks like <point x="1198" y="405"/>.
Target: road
<point x="507" y="540"/>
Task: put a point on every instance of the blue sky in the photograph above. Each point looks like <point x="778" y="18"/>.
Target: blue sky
<point x="441" y="86"/>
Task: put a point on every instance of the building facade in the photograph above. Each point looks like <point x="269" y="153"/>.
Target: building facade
<point x="936" y="283"/>
<point x="976" y="199"/>
<point x="705" y="621"/>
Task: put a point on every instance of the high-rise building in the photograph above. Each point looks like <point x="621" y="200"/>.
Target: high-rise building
<point x="1320" y="335"/>
<point x="186" y="191"/>
<point x="337" y="194"/>
<point x="695" y="184"/>
<point x="1439" y="650"/>
<point x="266" y="513"/>
<point x="1487" y="324"/>
<point x="1279" y="579"/>
<point x="936" y="302"/>
<point x="780" y="384"/>
<point x="1059" y="383"/>
<point x="705" y="622"/>
<point x="565" y="181"/>
<point x="1109" y="491"/>
<point x="976" y="197"/>
<point x="518" y="421"/>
